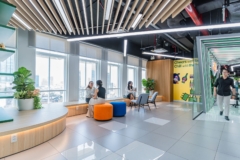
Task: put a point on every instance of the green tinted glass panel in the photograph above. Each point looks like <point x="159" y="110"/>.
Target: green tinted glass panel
<point x="6" y="11"/>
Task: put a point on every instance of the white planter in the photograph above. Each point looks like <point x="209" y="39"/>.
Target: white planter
<point x="25" y="104"/>
<point x="151" y="93"/>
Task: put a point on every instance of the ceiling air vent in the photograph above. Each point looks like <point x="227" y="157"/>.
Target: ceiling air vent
<point x="159" y="50"/>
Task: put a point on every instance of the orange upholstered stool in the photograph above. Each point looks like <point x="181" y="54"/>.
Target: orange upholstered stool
<point x="103" y="111"/>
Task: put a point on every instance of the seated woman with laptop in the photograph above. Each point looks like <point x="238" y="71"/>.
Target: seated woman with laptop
<point x="130" y="91"/>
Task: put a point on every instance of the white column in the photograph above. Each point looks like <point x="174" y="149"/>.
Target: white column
<point x="140" y="77"/>
<point x="26" y="56"/>
<point x="73" y="78"/>
<point x="103" y="68"/>
<point x="124" y="75"/>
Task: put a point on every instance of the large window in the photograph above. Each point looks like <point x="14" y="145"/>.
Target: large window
<point x="51" y="76"/>
<point x="113" y="88"/>
<point x="132" y="75"/>
<point x="88" y="71"/>
<point x="7" y="67"/>
<point x="143" y="77"/>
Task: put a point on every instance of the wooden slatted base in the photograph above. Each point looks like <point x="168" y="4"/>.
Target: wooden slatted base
<point x="31" y="138"/>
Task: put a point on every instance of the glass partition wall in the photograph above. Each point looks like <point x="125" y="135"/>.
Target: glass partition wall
<point x="211" y="52"/>
<point x="197" y="105"/>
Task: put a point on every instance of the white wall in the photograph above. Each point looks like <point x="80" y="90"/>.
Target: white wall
<point x="25" y="55"/>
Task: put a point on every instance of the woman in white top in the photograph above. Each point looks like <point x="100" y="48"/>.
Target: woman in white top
<point x="89" y="91"/>
<point x="130" y="90"/>
<point x="98" y="98"/>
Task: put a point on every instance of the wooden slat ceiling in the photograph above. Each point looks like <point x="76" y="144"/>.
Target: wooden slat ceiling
<point x="89" y="17"/>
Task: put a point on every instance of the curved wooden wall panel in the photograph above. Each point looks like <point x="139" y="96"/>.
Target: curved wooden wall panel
<point x="162" y="72"/>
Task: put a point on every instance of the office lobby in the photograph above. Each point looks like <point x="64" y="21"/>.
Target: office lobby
<point x="119" y="79"/>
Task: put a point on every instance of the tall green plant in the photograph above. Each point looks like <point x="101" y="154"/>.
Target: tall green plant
<point x="213" y="79"/>
<point x="149" y="84"/>
<point x="24" y="86"/>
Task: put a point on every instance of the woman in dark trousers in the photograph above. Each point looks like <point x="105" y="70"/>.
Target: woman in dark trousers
<point x="89" y="91"/>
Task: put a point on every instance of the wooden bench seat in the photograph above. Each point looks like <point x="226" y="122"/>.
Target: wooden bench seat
<point x="79" y="108"/>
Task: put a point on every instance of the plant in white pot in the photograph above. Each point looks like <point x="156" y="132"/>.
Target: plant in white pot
<point x="26" y="94"/>
<point x="149" y="85"/>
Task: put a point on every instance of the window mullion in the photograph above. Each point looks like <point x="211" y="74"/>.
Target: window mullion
<point x="49" y="65"/>
<point x="85" y="64"/>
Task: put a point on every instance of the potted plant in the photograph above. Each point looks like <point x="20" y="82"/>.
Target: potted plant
<point x="26" y="94"/>
<point x="149" y="85"/>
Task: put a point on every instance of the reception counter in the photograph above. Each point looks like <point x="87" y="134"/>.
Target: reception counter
<point x="31" y="128"/>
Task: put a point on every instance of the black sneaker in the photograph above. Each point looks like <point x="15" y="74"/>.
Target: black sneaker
<point x="221" y="113"/>
<point x="226" y="117"/>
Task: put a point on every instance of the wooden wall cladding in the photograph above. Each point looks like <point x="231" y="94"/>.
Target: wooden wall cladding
<point x="162" y="72"/>
<point x="31" y="138"/>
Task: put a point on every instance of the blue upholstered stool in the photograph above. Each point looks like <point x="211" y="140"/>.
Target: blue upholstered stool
<point x="119" y="109"/>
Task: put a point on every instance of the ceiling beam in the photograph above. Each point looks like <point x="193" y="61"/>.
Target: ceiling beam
<point x="48" y="12"/>
<point x="24" y="14"/>
<point x="165" y="10"/>
<point x="29" y="12"/>
<point x="49" y="4"/>
<point x="130" y="14"/>
<point x="116" y="14"/>
<point x="136" y="14"/>
<point x="150" y="2"/>
<point x="104" y="15"/>
<point x="97" y="14"/>
<point x="29" y="5"/>
<point x="158" y="11"/>
<point x="181" y="8"/>
<point x="149" y="13"/>
<point x="68" y="17"/>
<point x="18" y="24"/>
<point x="73" y="15"/>
<point x="85" y="16"/>
<point x="123" y="14"/>
<point x="173" y="9"/>
<point x="176" y="42"/>
<point x="43" y="14"/>
<point x="25" y="20"/>
<point x="63" y="16"/>
<point x="79" y="16"/>
<point x="91" y="14"/>
<point x="110" y="16"/>
<point x="12" y="25"/>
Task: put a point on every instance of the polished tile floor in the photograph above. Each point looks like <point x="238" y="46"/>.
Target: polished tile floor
<point x="163" y="133"/>
<point x="213" y="115"/>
